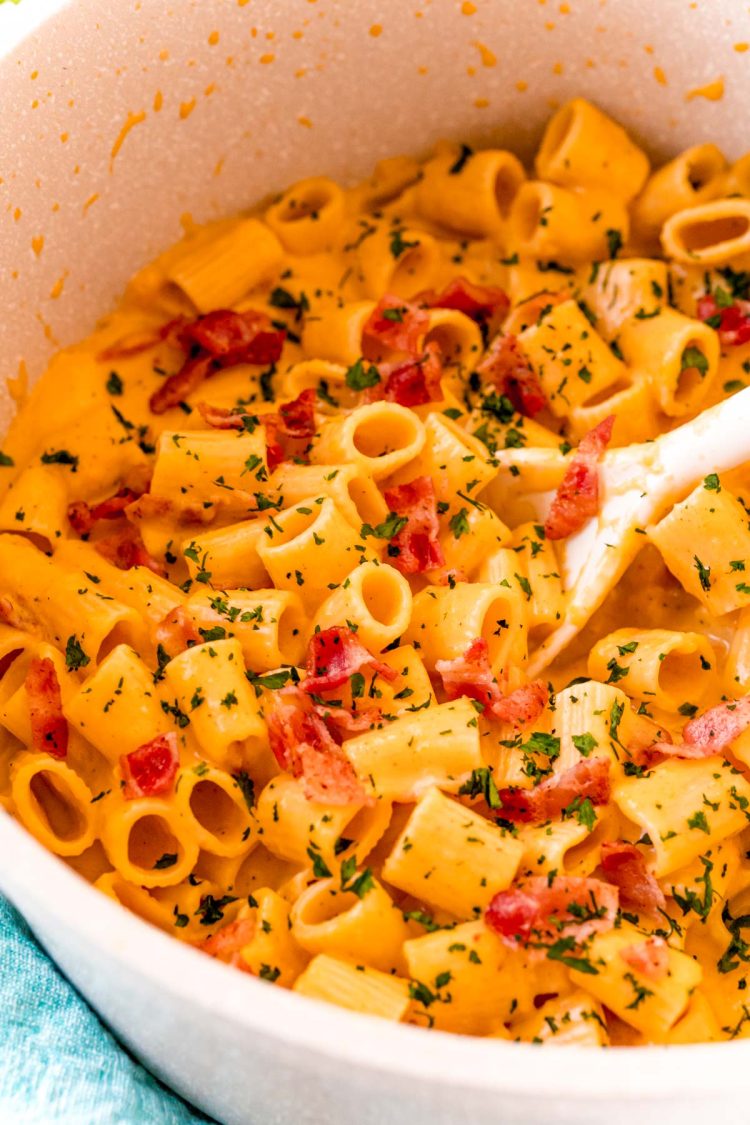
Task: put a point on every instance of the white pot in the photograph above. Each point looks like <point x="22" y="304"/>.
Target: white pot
<point x="252" y="96"/>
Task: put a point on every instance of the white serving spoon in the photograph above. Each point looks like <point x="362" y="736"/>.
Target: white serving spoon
<point x="637" y="485"/>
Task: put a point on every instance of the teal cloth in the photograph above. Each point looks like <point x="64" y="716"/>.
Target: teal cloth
<point x="59" y="1065"/>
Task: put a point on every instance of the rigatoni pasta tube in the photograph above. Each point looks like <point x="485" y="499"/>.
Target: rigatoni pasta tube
<point x="195" y="465"/>
<point x="552" y="222"/>
<point x="381" y="437"/>
<point x="376" y="599"/>
<point x="336" y="334"/>
<point x="310" y="548"/>
<point x="445" y="621"/>
<point x="662" y="666"/>
<point x="713" y="234"/>
<point x="308" y="217"/>
<point x="695" y="176"/>
<point x="356" y="987"/>
<point x="399" y="260"/>
<point x="53" y="803"/>
<point x="438" y="746"/>
<point x="351" y="488"/>
<point x="582" y="147"/>
<point x="269" y="624"/>
<point x="213" y="803"/>
<point x="679" y="355"/>
<point x="470" y="192"/>
<point x="37" y="505"/>
<point x="229" y="554"/>
<point x="218" y="272"/>
<point x="625" y="288"/>
<point x="118" y="709"/>
<point x="208" y="686"/>
<point x="456" y="461"/>
<point x="364" y="927"/>
<point x="452" y="858"/>
<point x="138" y="834"/>
<point x="272" y="952"/>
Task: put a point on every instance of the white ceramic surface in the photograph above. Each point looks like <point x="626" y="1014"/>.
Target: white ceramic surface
<point x="117" y="118"/>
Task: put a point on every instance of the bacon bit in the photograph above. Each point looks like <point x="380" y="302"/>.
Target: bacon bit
<point x="471" y="675"/>
<point x="334" y="655"/>
<point x="650" y="958"/>
<point x="624" y="866"/>
<point x="177" y="631"/>
<point x="505" y="365"/>
<point x="150" y="770"/>
<point x="732" y="322"/>
<point x="577" y="498"/>
<point x="302" y="743"/>
<point x="412" y="383"/>
<point x="228" y="942"/>
<point x="416" y="547"/>
<point x="126" y="550"/>
<point x="295" y="421"/>
<point x="713" y="731"/>
<point x="347" y="722"/>
<point x="394" y="325"/>
<point x="49" y="730"/>
<point x="220" y="339"/>
<point x="542" y="907"/>
<point x="480" y="302"/>
<point x="139" y="342"/>
<point x="83" y="517"/>
<point x="588" y="779"/>
<point x="10" y="615"/>
<point x="221" y="418"/>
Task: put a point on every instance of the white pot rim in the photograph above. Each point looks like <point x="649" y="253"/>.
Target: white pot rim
<point x="68" y="902"/>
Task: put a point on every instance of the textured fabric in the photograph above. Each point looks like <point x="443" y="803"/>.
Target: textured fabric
<point x="58" y="1064"/>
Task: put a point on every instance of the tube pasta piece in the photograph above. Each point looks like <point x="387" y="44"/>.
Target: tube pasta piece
<point x="53" y="803"/>
<point x="218" y="272"/>
<point x="117" y="708"/>
<point x="582" y="147"/>
<point x="245" y="873"/>
<point x="694" y="177"/>
<point x="353" y="490"/>
<point x="687" y="363"/>
<point x="298" y="830"/>
<point x="229" y="555"/>
<point x="665" y="667"/>
<point x="376" y="599"/>
<point x="207" y="685"/>
<point x="147" y="593"/>
<point x="685" y="807"/>
<point x="296" y="543"/>
<point x="37" y="505"/>
<point x="439" y="746"/>
<point x="737" y="667"/>
<point x="573" y="362"/>
<point x="337" y="335"/>
<point x="738" y="177"/>
<point x="272" y="952"/>
<point x="308" y="217"/>
<point x="327" y="379"/>
<point x="213" y="803"/>
<point x="445" y="621"/>
<point x="470" y="192"/>
<point x="402" y="260"/>
<point x="536" y="555"/>
<point x="468" y="973"/>
<point x="552" y="222"/>
<point x="196" y="465"/>
<point x="358" y="988"/>
<point x="363" y="927"/>
<point x="269" y="624"/>
<point x="705" y="542"/>
<point x="456" y="462"/>
<point x="451" y="858"/>
<point x="458" y="337"/>
<point x="380" y="437"/>
<point x="595" y="718"/>
<point x="148" y="840"/>
<point x="625" y="288"/>
<point x="712" y="234"/>
<point x="545" y="846"/>
<point x="572" y="1021"/>
<point x="472" y="535"/>
<point x="65" y="606"/>
<point x="649" y="1005"/>
<point x="633" y="405"/>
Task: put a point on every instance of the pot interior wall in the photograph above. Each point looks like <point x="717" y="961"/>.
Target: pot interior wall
<point x="121" y="119"/>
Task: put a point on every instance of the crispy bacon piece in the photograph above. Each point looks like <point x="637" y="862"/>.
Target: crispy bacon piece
<point x="623" y="865"/>
<point x="587" y="779"/>
<point x="713" y="731"/>
<point x="347" y="722"/>
<point x="177" y="631"/>
<point x="416" y="547"/>
<point x="126" y="549"/>
<point x="83" y="517"/>
<point x="394" y="325"/>
<point x="226" y="944"/>
<point x="219" y="339"/>
<point x="222" y="418"/>
<point x="480" y="302"/>
<point x="505" y="365"/>
<point x="649" y="957"/>
<point x="302" y="744"/>
<point x="577" y="498"/>
<point x="49" y="730"/>
<point x="732" y="322"/>
<point x="471" y="675"/>
<point x="539" y="910"/>
<point x="412" y="383"/>
<point x="150" y="770"/>
<point x="139" y="342"/>
<point x="295" y="420"/>
<point x="334" y="655"/>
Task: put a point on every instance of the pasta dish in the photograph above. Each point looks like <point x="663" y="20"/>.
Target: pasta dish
<point x="375" y="593"/>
